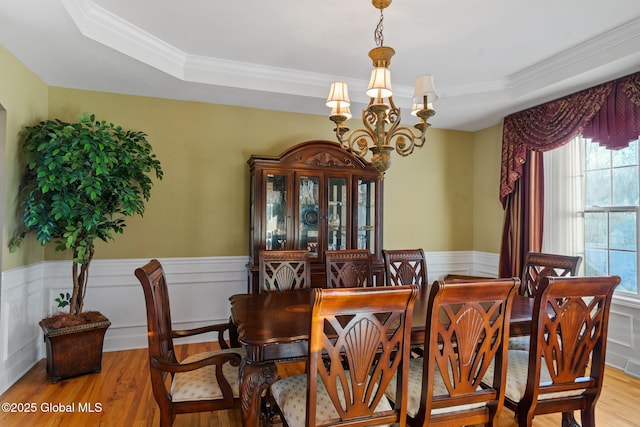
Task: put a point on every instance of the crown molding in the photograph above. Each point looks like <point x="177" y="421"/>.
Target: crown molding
<point x="107" y="28"/>
<point x="613" y="45"/>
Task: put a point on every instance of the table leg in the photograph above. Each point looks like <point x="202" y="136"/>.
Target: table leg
<point x="254" y="381"/>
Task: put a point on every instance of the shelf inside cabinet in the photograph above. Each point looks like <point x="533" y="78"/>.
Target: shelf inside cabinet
<point x="317" y="197"/>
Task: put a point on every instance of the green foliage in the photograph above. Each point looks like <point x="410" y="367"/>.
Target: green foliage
<point x="63" y="300"/>
<point x="81" y="181"/>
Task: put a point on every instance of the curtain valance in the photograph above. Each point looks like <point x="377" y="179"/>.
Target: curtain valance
<point x="608" y="113"/>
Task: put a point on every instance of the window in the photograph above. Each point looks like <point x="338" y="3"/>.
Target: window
<point x="611" y="188"/>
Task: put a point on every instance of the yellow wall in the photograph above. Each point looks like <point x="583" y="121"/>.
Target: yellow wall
<point x="201" y="206"/>
<point x="487" y="210"/>
<point x="23" y="97"/>
<point x="428" y="201"/>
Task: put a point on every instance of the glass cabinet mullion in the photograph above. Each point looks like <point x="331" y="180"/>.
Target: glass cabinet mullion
<point x="309" y="213"/>
<point x="338" y="221"/>
<point x="276" y="211"/>
<point x="307" y="199"/>
<point x="366" y="215"/>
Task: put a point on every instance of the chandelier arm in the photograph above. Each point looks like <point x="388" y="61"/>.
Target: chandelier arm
<point x="358" y="141"/>
<point x="405" y="140"/>
<point x="383" y="132"/>
<point x="393" y="113"/>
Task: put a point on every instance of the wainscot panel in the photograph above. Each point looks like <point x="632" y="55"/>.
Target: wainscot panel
<point x="199" y="290"/>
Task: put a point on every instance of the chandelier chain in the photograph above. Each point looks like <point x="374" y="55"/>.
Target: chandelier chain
<point x="377" y="34"/>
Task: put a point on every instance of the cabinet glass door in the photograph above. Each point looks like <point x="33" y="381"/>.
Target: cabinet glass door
<point x="276" y="212"/>
<point x="366" y="227"/>
<point x="309" y="214"/>
<point x="337" y="218"/>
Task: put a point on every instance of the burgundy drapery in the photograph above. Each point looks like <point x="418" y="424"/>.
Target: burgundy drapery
<point x="608" y="113"/>
<point x="522" y="228"/>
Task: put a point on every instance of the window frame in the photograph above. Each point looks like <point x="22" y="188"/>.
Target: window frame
<point x="609" y="209"/>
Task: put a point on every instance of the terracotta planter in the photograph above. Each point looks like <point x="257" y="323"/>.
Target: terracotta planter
<point x="74" y="350"/>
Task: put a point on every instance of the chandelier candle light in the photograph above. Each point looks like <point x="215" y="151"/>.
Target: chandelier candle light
<point x="381" y="111"/>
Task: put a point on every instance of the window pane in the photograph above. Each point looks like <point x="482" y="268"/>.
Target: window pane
<point x="595" y="230"/>
<point x="596" y="156"/>
<point x="624" y="265"/>
<point x="612" y="203"/>
<point x="622" y="230"/>
<point x="598" y="186"/>
<point x="625" y="186"/>
<point x="627" y="156"/>
<point x="595" y="262"/>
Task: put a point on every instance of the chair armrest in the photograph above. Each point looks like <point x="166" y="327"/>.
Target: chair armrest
<point x="220" y="328"/>
<point x="216" y="359"/>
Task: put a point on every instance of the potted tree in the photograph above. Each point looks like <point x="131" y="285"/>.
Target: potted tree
<point x="82" y="180"/>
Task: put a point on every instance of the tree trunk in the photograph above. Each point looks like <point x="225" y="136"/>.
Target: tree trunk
<point x="80" y="279"/>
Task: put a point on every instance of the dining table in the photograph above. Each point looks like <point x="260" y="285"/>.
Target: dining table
<point x="273" y="327"/>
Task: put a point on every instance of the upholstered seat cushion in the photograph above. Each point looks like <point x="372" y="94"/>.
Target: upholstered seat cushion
<point x="517" y="371"/>
<point x="291" y="396"/>
<point x="415" y="389"/>
<point x="201" y="384"/>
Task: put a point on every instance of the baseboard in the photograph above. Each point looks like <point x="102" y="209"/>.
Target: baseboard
<point x="632" y="368"/>
<point x="199" y="288"/>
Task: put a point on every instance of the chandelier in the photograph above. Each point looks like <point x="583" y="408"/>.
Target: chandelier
<point x="382" y="132"/>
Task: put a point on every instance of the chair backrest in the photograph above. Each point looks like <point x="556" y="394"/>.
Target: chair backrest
<point x="348" y="268"/>
<point x="569" y="336"/>
<point x="360" y="338"/>
<point x="283" y="270"/>
<point x="538" y="265"/>
<point x="156" y="296"/>
<point x="211" y="379"/>
<point x="467" y="330"/>
<point x="405" y="267"/>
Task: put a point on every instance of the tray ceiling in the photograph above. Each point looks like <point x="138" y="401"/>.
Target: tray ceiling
<point x="488" y="58"/>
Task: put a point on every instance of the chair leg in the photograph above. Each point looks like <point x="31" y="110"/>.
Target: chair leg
<point x="523" y="419"/>
<point x="166" y="417"/>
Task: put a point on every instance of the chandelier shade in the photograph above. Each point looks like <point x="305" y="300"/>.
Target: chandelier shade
<point x="382" y="133"/>
<point x="424" y="87"/>
<point x="380" y="83"/>
<point x="338" y="95"/>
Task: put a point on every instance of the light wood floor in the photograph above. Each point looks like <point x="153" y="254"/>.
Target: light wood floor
<point x="123" y="393"/>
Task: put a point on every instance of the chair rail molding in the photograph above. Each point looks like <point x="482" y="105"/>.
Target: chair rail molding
<point x="200" y="289"/>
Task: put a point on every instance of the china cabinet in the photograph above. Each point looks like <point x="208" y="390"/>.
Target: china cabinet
<point x="315" y="196"/>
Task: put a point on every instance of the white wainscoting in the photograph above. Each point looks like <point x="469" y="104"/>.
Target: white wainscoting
<point x="199" y="290"/>
<point x="20" y="312"/>
<point x="623" y="345"/>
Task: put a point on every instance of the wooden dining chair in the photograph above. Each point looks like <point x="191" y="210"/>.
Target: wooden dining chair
<point x="282" y="270"/>
<point x="405" y="267"/>
<point x="348" y="268"/>
<point x="201" y="382"/>
<point x="467" y="328"/>
<point x="369" y="330"/>
<point x="538" y="265"/>
<point x="564" y="369"/>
